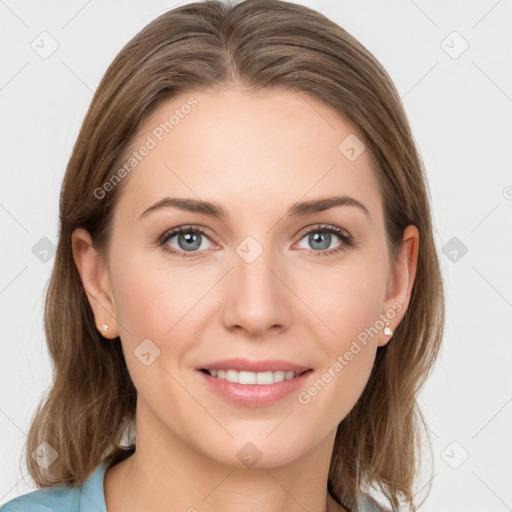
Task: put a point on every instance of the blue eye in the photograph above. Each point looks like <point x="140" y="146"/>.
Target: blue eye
<point x="320" y="238"/>
<point x="189" y="240"/>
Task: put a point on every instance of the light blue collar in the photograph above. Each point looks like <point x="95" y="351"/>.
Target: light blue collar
<point x="92" y="497"/>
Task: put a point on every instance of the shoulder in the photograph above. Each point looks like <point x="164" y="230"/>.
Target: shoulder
<point x="365" y="503"/>
<point x="88" y="497"/>
<point x="55" y="499"/>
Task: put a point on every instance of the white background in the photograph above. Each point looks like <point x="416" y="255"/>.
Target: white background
<point x="460" y="111"/>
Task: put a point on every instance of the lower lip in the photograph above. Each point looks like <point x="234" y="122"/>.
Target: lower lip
<point x="255" y="395"/>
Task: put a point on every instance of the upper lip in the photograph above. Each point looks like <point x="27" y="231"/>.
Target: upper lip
<point x="267" y="365"/>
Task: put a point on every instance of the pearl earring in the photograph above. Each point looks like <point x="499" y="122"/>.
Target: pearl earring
<point x="387" y="330"/>
<point x="104" y="326"/>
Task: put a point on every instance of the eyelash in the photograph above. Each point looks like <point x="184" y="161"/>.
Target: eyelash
<point x="347" y="239"/>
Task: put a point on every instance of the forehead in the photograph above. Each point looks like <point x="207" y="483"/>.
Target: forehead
<point x="249" y="151"/>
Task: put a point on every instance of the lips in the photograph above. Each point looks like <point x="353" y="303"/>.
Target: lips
<point x="257" y="394"/>
<point x="267" y="365"/>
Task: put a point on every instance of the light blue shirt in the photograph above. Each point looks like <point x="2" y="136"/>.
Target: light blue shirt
<point x="61" y="498"/>
<point x="90" y="497"/>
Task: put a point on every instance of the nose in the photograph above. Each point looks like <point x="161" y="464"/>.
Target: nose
<point x="257" y="300"/>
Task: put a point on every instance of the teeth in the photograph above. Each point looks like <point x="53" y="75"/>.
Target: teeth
<point x="245" y="377"/>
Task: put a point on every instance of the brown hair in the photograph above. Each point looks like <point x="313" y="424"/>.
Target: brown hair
<point x="260" y="44"/>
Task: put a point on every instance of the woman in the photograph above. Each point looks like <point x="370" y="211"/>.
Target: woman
<point x="245" y="277"/>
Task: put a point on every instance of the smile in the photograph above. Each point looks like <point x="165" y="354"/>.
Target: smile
<point x="247" y="377"/>
<point x="254" y="389"/>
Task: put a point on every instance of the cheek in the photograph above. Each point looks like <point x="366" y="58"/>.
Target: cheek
<point x="347" y="300"/>
<point x="160" y="302"/>
<point x="140" y="297"/>
<point x="154" y="307"/>
<point x="150" y="295"/>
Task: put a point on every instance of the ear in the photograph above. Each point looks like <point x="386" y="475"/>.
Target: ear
<point x="95" y="278"/>
<point x="400" y="282"/>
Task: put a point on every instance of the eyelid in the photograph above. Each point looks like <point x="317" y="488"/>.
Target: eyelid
<point x="183" y="229"/>
<point x="320" y="226"/>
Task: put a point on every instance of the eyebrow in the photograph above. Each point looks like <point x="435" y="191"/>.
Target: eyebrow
<point x="217" y="211"/>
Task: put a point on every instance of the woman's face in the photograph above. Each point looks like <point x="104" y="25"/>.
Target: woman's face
<point x="258" y="283"/>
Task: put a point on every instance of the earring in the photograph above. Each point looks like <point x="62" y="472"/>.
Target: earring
<point x="387" y="330"/>
<point x="104" y="326"/>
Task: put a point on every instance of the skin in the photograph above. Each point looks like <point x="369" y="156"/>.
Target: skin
<point x="255" y="154"/>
